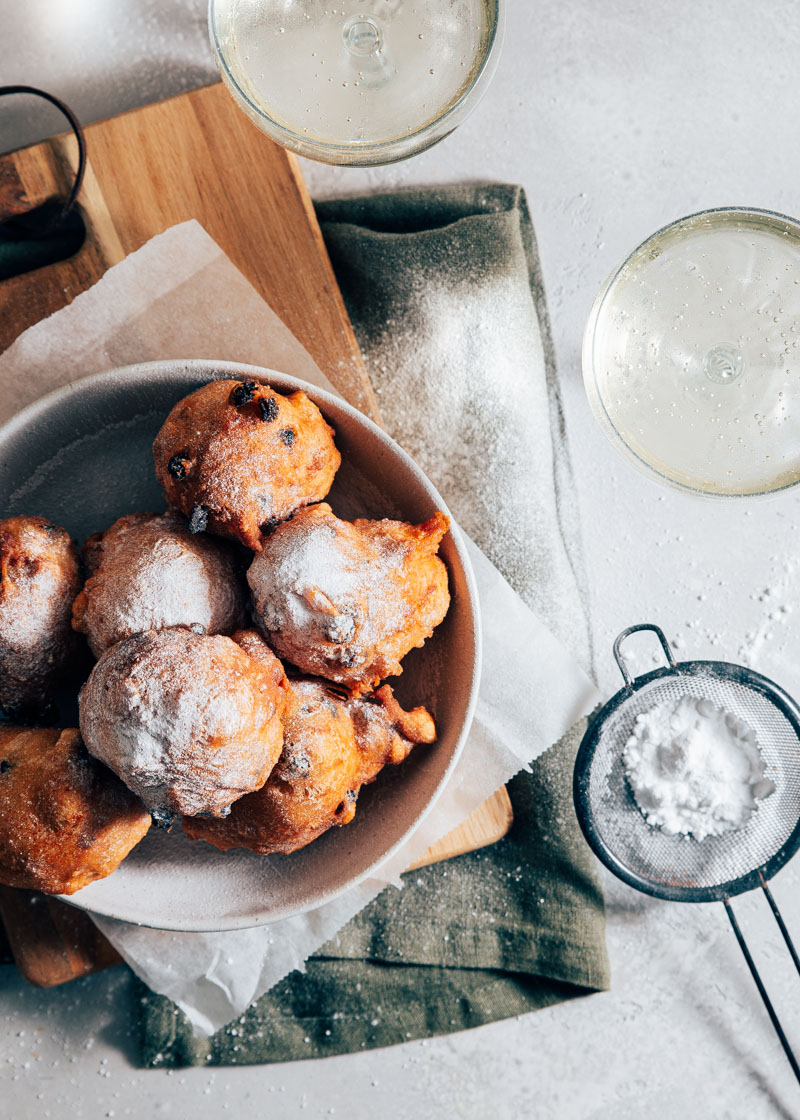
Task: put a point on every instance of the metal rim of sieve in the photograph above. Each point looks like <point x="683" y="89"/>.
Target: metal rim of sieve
<point x="718" y="670"/>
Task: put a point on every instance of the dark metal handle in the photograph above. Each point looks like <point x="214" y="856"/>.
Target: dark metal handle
<point x="659" y="633"/>
<point x="781" y="924"/>
<point x="762" y="990"/>
<point x="75" y="125"/>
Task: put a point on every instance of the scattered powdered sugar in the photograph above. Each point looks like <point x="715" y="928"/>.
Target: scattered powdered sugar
<point x="463" y="393"/>
<point x="695" y="768"/>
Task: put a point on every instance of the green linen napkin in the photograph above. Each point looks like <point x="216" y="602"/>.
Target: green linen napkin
<point x="520" y="925"/>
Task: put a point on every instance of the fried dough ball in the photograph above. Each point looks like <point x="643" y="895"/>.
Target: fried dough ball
<point x="188" y="722"/>
<point x="331" y="748"/>
<point x="65" y="820"/>
<point x="237" y="458"/>
<point x="148" y="572"/>
<point x="347" y="600"/>
<point x="39" y="578"/>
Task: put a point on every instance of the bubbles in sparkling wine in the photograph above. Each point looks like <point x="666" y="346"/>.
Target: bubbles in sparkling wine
<point x="695" y="352"/>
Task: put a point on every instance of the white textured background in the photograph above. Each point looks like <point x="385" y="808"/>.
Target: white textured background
<point x="616" y="118"/>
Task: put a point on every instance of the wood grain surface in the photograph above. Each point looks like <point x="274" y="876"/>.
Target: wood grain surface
<point x="193" y="156"/>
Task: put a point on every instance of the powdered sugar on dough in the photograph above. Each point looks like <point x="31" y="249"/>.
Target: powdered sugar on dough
<point x="150" y="573"/>
<point x="39" y="578"/>
<point x="695" y="768"/>
<point x="189" y="723"/>
<point x="348" y="600"/>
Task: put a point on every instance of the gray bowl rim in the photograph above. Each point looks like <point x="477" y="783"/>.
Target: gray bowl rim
<point x="163" y="370"/>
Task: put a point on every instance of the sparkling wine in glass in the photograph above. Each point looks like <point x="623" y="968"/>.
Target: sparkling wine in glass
<point x="691" y="356"/>
<point x="359" y="82"/>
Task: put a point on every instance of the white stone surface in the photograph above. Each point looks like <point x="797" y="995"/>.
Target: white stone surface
<point x="616" y="118"/>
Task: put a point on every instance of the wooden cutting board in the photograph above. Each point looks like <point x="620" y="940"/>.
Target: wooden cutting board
<point x="193" y="156"/>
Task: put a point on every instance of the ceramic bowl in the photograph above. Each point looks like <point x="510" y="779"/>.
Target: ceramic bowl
<point x="82" y="457"/>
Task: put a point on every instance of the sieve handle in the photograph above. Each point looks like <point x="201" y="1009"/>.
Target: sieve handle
<point x="762" y="991"/>
<point x="620" y="660"/>
<point x="781" y="924"/>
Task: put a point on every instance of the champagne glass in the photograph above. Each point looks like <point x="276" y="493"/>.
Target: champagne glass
<point x="691" y="356"/>
<point x="358" y="82"/>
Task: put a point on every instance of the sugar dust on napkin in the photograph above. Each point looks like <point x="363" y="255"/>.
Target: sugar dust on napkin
<point x="695" y="768"/>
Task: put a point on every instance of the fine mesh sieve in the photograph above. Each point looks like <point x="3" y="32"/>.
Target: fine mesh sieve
<point x="678" y="867"/>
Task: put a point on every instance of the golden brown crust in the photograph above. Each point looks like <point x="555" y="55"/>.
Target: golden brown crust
<point x="39" y="578"/>
<point x="65" y="819"/>
<point x="237" y="458"/>
<point x="348" y="600"/>
<point x="417" y="726"/>
<point x="188" y="722"/>
<point x="332" y="747"/>
<point x="254" y="646"/>
<point x="148" y="572"/>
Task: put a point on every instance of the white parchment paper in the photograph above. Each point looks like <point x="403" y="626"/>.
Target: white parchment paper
<point x="179" y="297"/>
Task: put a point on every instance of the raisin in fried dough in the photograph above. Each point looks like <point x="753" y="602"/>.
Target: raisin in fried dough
<point x="188" y="722"/>
<point x="331" y="748"/>
<point x="148" y="572"/>
<point x="39" y="578"/>
<point x="237" y="458"/>
<point x="65" y="819"/>
<point x="348" y="600"/>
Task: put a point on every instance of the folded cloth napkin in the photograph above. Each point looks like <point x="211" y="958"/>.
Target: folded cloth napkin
<point x="445" y="295"/>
